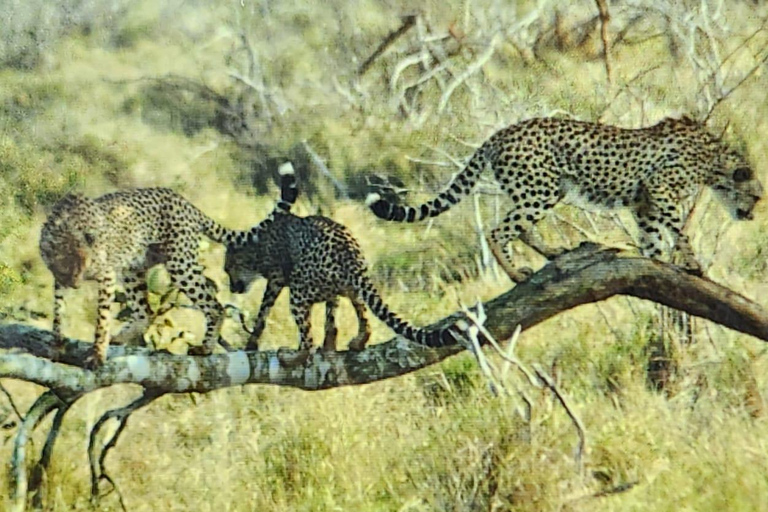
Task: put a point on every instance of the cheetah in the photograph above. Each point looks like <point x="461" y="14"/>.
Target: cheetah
<point x="119" y="236"/>
<point x="651" y="170"/>
<point x="319" y="261"/>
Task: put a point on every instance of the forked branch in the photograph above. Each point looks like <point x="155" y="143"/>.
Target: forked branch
<point x="587" y="274"/>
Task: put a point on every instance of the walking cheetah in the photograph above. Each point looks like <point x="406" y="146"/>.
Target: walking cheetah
<point x="650" y="170"/>
<point x="118" y="236"/>
<point x="318" y="260"/>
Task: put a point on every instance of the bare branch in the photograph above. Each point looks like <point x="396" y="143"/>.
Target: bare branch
<point x="45" y="403"/>
<point x="408" y="22"/>
<point x="605" y="18"/>
<point x="582" y="276"/>
<point x="97" y="454"/>
<point x="40" y="472"/>
<point x="471" y="70"/>
<point x="550" y="383"/>
<point x="343" y="193"/>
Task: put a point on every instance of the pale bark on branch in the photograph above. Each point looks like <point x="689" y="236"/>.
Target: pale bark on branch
<point x="582" y="276"/>
<point x="585" y="275"/>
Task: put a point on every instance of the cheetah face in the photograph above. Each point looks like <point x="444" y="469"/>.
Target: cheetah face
<point x="739" y="190"/>
<point x="67" y="261"/>
<point x="238" y="264"/>
<point x="69" y="238"/>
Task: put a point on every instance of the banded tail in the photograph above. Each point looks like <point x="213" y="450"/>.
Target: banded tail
<point x="288" y="194"/>
<point x="436" y="338"/>
<point x="459" y="187"/>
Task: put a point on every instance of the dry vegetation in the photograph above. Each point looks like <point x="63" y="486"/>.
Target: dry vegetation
<point x="147" y="93"/>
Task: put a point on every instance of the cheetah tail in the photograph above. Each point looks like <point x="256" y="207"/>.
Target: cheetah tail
<point x="288" y="189"/>
<point x="460" y="186"/>
<point x="288" y="194"/>
<point x="429" y="338"/>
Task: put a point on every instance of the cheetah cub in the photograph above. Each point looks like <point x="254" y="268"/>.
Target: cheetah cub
<point x="650" y="170"/>
<point x="119" y="236"/>
<point x="319" y="261"/>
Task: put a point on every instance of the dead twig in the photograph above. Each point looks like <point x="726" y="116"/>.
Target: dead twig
<point x="40" y="472"/>
<point x="11" y="401"/>
<point x="471" y="70"/>
<point x="550" y="383"/>
<point x="408" y="22"/>
<point x="343" y="192"/>
<point x="605" y="17"/>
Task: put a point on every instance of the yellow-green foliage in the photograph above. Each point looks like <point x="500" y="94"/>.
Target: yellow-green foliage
<point x="85" y="112"/>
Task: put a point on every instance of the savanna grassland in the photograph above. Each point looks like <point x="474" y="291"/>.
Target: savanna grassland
<point x="210" y="97"/>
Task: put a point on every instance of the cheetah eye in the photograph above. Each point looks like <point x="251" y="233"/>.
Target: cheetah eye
<point x="742" y="174"/>
<point x="89" y="239"/>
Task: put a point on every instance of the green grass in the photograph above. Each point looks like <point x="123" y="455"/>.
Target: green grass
<point x="84" y="119"/>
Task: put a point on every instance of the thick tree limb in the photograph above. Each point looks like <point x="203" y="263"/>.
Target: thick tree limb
<point x="582" y="276"/>
<point x="587" y="274"/>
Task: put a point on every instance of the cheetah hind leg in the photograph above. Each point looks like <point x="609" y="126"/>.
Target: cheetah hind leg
<point x="501" y="252"/>
<point x="202" y="292"/>
<point x="363" y="328"/>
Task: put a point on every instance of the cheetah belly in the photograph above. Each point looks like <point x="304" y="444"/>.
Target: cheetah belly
<point x="594" y="199"/>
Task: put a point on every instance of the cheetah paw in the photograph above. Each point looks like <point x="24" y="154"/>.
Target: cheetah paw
<point x="694" y="270"/>
<point x="292" y="358"/>
<point x="93" y="361"/>
<point x="521" y="274"/>
<point x="199" y="350"/>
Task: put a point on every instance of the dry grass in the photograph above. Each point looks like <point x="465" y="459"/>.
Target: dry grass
<point x="436" y="440"/>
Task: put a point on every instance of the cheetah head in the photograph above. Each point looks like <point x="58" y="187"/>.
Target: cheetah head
<point x="737" y="186"/>
<point x="240" y="266"/>
<point x="67" y="240"/>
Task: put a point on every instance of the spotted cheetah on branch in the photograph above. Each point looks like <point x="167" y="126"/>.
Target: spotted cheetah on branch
<point x="319" y="261"/>
<point x="119" y="236"/>
<point x="651" y="170"/>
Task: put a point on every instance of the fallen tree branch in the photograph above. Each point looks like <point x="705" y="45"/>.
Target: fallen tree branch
<point x="585" y="275"/>
<point x="582" y="276"/>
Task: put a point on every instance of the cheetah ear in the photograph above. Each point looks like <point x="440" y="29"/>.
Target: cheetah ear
<point x="686" y="119"/>
<point x="69" y="201"/>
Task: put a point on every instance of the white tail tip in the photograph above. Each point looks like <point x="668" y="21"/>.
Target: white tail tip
<point x="286" y="168"/>
<point x="372" y="198"/>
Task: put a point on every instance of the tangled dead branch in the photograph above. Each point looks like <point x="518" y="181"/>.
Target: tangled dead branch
<point x="587" y="274"/>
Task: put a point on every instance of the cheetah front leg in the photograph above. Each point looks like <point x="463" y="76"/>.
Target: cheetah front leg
<point x="268" y="300"/>
<point x="58" y="312"/>
<point x="363" y="327"/>
<point x="663" y="214"/>
<point x="106" y="296"/>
